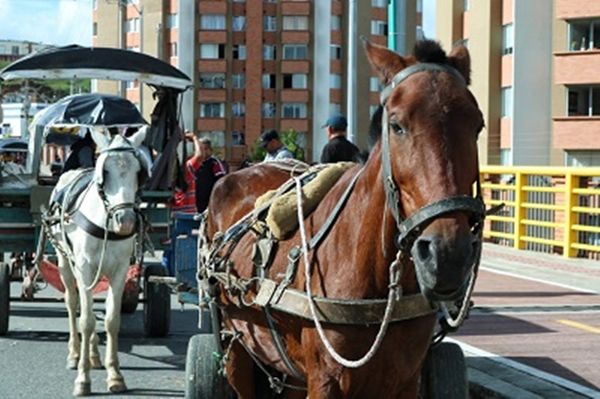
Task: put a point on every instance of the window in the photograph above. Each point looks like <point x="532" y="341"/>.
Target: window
<point x="212" y="22"/>
<point x="238" y="109"/>
<point x="212" y="51"/>
<point x="95" y="29"/>
<point x="335" y="52"/>
<point x="269" y="110"/>
<point x="379" y="3"/>
<point x="212" y="80"/>
<point x="238" y="138"/>
<point x="335" y="81"/>
<point x="268" y="81"/>
<point x="506" y="102"/>
<point x="238" y="80"/>
<point x="293" y="110"/>
<point x="130" y="84"/>
<point x="295" y="81"/>
<point x="239" y="23"/>
<point x="269" y="23"/>
<point x="296" y="22"/>
<point x="419" y="6"/>
<point x="335" y="108"/>
<point x="239" y="52"/>
<point x="374" y="84"/>
<point x="372" y="109"/>
<point x="269" y="52"/>
<point x="15" y="50"/>
<point x="584" y="35"/>
<point x="173" y="49"/>
<point x="379" y="28"/>
<point x="217" y="139"/>
<point x="135" y="49"/>
<point x="212" y="110"/>
<point x="466" y="5"/>
<point x="294" y="51"/>
<point x="336" y="22"/>
<point x="132" y="25"/>
<point x="507" y="39"/>
<point x="172" y="21"/>
<point x="583" y="101"/>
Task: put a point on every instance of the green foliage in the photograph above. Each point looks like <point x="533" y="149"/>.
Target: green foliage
<point x="289" y="139"/>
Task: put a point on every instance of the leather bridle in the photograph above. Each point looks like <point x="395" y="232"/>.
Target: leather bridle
<point x="410" y="227"/>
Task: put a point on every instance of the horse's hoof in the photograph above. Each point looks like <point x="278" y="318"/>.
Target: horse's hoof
<point x="82" y="389"/>
<point x="72" y="363"/>
<point x="116" y="386"/>
<point x="95" y="362"/>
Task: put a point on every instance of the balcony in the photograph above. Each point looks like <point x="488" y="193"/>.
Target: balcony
<point x="576" y="133"/>
<point x="577" y="67"/>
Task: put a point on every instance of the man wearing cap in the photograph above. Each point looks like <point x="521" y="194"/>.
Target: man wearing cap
<point x="338" y="148"/>
<point x="276" y="151"/>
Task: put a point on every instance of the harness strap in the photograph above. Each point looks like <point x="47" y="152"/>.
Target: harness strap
<point x="94" y="230"/>
<point x="280" y="345"/>
<point x="335" y="311"/>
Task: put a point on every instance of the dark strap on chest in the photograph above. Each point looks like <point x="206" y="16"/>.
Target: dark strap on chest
<point x="94" y="230"/>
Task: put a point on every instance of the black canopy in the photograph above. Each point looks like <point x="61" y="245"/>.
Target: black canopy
<point x="76" y="62"/>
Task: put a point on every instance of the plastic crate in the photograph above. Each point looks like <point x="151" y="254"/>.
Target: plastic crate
<point x="185" y="259"/>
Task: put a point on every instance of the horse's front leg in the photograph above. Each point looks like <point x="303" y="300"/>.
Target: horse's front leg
<point x="87" y="325"/>
<point x="115" y="381"/>
<point x="68" y="280"/>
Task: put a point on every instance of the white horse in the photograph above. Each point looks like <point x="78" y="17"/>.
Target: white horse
<point x="95" y="235"/>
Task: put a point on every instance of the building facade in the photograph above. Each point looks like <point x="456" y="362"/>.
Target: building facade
<point x="12" y="50"/>
<point x="535" y="77"/>
<point x="258" y="64"/>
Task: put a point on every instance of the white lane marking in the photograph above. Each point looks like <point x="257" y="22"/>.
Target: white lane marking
<point x="537" y="280"/>
<point x="570" y="385"/>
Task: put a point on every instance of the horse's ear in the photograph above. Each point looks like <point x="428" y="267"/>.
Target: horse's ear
<point x="99" y="137"/>
<point x="138" y="137"/>
<point x="385" y="62"/>
<point x="460" y="59"/>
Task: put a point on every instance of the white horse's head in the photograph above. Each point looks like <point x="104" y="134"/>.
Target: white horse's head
<point x="121" y="171"/>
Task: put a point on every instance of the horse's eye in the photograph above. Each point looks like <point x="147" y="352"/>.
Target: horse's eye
<point x="397" y="128"/>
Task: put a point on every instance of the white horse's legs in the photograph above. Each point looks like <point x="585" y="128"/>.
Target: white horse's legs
<point x="87" y="324"/>
<point x="68" y="281"/>
<point x="114" y="380"/>
<point x="95" y="362"/>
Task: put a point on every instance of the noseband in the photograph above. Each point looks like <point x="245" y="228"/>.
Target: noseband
<point x="409" y="228"/>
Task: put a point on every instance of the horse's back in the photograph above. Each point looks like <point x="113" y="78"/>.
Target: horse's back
<point x="235" y="194"/>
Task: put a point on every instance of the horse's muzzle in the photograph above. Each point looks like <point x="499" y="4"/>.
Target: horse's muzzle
<point x="124" y="221"/>
<point x="443" y="265"/>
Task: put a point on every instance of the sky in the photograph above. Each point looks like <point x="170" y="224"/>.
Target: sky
<point x="56" y="22"/>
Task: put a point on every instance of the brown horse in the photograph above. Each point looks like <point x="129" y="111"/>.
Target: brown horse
<point x="429" y="156"/>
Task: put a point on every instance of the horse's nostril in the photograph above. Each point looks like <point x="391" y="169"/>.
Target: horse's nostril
<point x="423" y="249"/>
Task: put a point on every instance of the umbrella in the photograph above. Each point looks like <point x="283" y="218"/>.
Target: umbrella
<point x="91" y="109"/>
<point x="13" y="145"/>
<point x="76" y="62"/>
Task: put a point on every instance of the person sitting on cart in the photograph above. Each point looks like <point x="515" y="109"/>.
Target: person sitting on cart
<point x="211" y="170"/>
<point x="82" y="154"/>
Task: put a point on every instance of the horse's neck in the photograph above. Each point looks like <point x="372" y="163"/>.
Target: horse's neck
<point x="364" y="233"/>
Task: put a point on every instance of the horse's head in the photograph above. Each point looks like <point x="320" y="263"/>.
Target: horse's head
<point x="431" y="121"/>
<point x="121" y="170"/>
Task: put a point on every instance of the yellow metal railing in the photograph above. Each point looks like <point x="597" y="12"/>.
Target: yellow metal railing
<point x="551" y="209"/>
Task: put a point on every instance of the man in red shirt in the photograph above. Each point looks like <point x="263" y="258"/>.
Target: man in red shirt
<point x="185" y="201"/>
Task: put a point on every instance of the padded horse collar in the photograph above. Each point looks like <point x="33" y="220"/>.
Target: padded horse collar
<point x="409" y="227"/>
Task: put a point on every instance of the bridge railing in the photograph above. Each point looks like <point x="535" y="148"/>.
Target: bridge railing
<point x="547" y="209"/>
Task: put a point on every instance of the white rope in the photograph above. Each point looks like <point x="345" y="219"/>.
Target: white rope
<point x="457" y="321"/>
<point x="307" y="272"/>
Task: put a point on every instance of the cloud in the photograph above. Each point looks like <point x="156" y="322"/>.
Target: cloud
<point x="55" y="22"/>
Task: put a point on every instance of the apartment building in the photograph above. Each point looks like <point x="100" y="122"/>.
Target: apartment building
<point x="258" y="64"/>
<point x="576" y="89"/>
<point x="12" y="50"/>
<point x="535" y="76"/>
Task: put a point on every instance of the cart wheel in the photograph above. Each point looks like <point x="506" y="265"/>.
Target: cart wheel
<point x="4" y="298"/>
<point x="202" y="376"/>
<point x="444" y="373"/>
<point x="130" y="301"/>
<point x="157" y="304"/>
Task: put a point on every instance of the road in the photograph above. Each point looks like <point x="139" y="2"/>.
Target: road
<point x="33" y="354"/>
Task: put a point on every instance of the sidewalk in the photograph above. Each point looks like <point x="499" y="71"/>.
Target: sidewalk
<point x="524" y="284"/>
